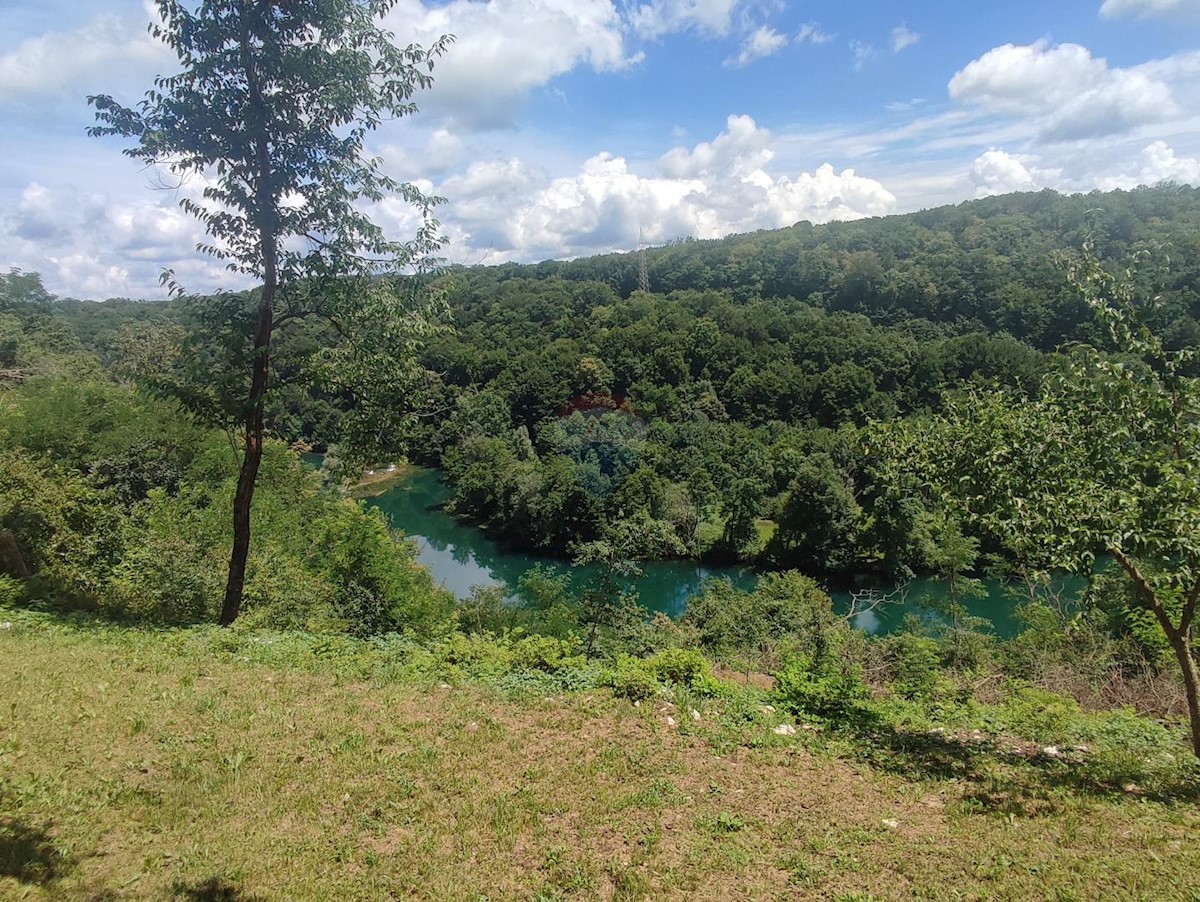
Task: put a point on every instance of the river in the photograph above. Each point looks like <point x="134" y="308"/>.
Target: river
<point x="460" y="556"/>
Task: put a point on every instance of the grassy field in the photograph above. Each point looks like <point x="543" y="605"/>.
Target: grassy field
<point x="160" y="765"/>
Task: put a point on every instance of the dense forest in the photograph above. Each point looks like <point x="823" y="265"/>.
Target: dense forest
<point x="810" y="401"/>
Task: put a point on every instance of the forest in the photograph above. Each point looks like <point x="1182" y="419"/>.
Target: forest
<point x="808" y="401"/>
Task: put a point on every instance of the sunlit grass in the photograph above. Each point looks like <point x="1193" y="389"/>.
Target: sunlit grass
<point x="176" y="764"/>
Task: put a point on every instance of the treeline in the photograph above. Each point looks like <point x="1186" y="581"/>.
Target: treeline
<point x="719" y="415"/>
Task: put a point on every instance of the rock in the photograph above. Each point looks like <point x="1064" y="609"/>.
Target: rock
<point x="784" y="729"/>
<point x="1131" y="787"/>
<point x="638" y="703"/>
<point x="1082" y="749"/>
<point x="695" y="714"/>
<point x="937" y="731"/>
<point x="811" y="728"/>
<point x="891" y="824"/>
<point x="1051" y="751"/>
<point x="766" y="709"/>
<point x="6" y="625"/>
<point x="671" y="721"/>
<point x="444" y="686"/>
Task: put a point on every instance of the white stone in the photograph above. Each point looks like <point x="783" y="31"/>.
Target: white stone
<point x="695" y="714"/>
<point x="891" y="824"/>
<point x="671" y="721"/>
<point x="785" y="729"/>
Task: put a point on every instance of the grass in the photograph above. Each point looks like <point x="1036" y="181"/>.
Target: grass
<point x="208" y="765"/>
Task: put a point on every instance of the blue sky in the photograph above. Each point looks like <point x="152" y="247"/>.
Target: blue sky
<point x="559" y="128"/>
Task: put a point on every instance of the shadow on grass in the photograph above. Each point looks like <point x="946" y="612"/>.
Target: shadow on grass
<point x="28" y="854"/>
<point x="214" y="889"/>
<point x="998" y="779"/>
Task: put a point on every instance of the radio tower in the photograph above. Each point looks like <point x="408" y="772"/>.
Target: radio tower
<point x="643" y="270"/>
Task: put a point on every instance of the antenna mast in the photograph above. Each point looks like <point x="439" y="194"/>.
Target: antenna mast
<point x="643" y="270"/>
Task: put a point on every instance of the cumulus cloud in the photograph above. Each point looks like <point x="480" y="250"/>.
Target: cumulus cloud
<point x="49" y="64"/>
<point x="90" y="244"/>
<point x="1115" y="9"/>
<point x="507" y="48"/>
<point x="1158" y="162"/>
<point x="1073" y="94"/>
<point x="714" y="188"/>
<point x="998" y="172"/>
<point x="743" y="148"/>
<point x="760" y="43"/>
<point x="903" y="38"/>
<point x="660" y="17"/>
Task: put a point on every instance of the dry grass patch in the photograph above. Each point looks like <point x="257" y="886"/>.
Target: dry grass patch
<point x="133" y="766"/>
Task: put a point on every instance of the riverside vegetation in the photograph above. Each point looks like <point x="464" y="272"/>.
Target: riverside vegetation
<point x="359" y="732"/>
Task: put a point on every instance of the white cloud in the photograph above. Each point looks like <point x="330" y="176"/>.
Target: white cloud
<point x="904" y="106"/>
<point x="1071" y="93"/>
<point x="1115" y="9"/>
<point x="710" y="190"/>
<point x="903" y="38"/>
<point x="812" y="34"/>
<point x="1158" y="163"/>
<point x="443" y="151"/>
<point x="863" y="54"/>
<point x="91" y="244"/>
<point x="507" y="48"/>
<point x="741" y="149"/>
<point x="49" y="64"/>
<point x="660" y="17"/>
<point x="998" y="172"/>
<point x="760" y="43"/>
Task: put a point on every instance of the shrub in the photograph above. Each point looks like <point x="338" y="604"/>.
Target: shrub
<point x="547" y="653"/>
<point x="677" y="665"/>
<point x="631" y="679"/>
<point x="823" y="687"/>
<point x="1038" y="715"/>
<point x="785" y="610"/>
<point x="12" y="591"/>
<point x="918" y="667"/>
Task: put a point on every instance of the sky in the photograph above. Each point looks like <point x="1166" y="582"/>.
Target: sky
<point x="564" y="128"/>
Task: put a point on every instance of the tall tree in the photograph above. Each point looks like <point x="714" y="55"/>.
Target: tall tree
<point x="271" y="110"/>
<point x="1105" y="460"/>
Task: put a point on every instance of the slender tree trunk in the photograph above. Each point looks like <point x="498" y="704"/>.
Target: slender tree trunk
<point x="1180" y="638"/>
<point x="1181" y="644"/>
<point x="260" y="366"/>
<point x="252" y="458"/>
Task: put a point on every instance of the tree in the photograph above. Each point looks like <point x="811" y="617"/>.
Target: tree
<point x="271" y="108"/>
<point x="1104" y="460"/>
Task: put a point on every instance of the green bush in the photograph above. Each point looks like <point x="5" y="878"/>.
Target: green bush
<point x="631" y="679"/>
<point x="785" y="611"/>
<point x="12" y="591"/>
<point x="918" y="662"/>
<point x="1037" y="715"/>
<point x="547" y="653"/>
<point x="1126" y="748"/>
<point x="677" y="665"/>
<point x="822" y="687"/>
